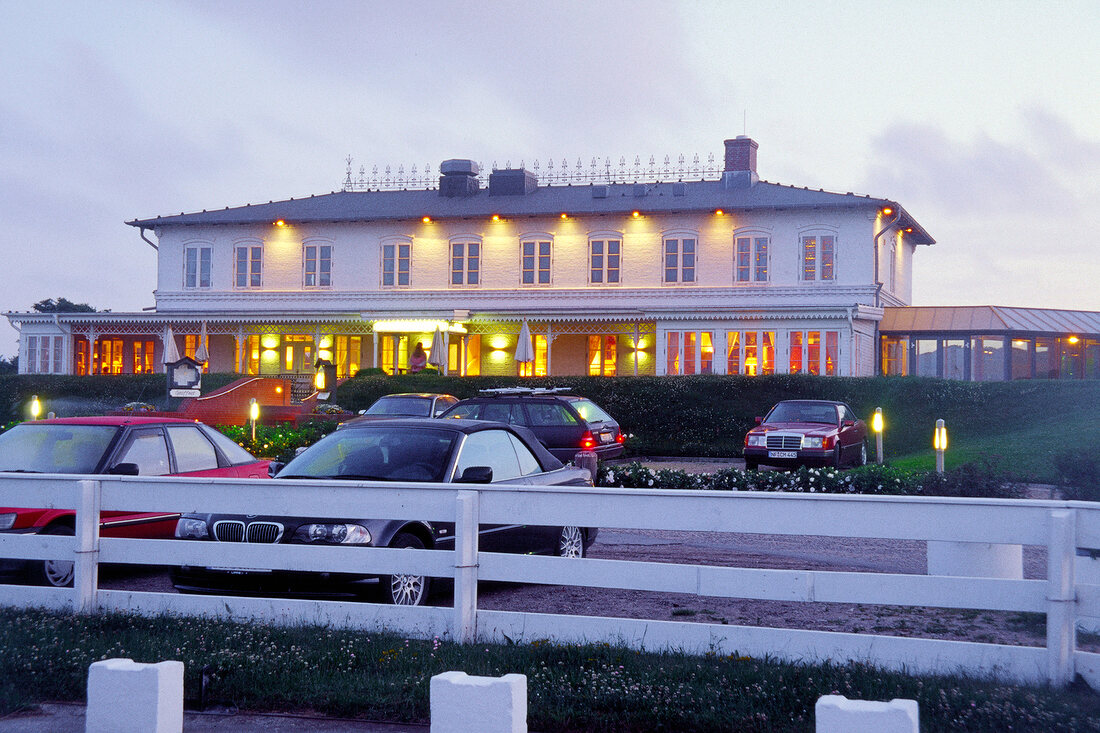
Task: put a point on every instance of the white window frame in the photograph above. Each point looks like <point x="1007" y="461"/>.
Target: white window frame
<point x="818" y="234"/>
<point x="604" y="268"/>
<point x="400" y="266"/>
<point x="254" y="270"/>
<point x="199" y="251"/>
<point x="755" y="238"/>
<point x="536" y="271"/>
<point x="322" y="278"/>
<point x="679" y="237"/>
<point x="460" y="263"/>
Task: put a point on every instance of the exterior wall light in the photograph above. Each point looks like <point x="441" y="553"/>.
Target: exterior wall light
<point x="427" y="220"/>
<point x="1073" y="339"/>
<point x="636" y="214"/>
<point x="280" y="223"/>
<point x="564" y="215"/>
<point x="887" y="211"/>
<point x="496" y="217"/>
<point x="719" y="212"/>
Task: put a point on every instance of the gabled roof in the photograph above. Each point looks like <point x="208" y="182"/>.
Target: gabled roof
<point x="353" y="206"/>
<point x="992" y="319"/>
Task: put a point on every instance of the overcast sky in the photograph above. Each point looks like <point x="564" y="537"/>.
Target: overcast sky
<point x="981" y="118"/>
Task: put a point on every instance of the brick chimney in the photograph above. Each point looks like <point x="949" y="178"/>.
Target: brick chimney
<point x="740" y="171"/>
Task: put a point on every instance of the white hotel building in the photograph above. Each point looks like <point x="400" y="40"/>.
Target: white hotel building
<point x="724" y="274"/>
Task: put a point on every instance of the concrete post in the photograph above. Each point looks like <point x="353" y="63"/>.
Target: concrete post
<point x="126" y="696"/>
<point x="86" y="560"/>
<point x="464" y="704"/>
<point x="467" y="510"/>
<point x="838" y="714"/>
<point x="1061" y="597"/>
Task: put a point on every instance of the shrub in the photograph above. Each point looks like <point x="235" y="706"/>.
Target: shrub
<point x="1078" y="473"/>
<point x="279" y="442"/>
<point x="969" y="480"/>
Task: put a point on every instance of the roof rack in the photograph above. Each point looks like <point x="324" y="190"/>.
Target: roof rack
<point x="518" y="391"/>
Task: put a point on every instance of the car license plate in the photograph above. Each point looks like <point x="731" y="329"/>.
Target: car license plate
<point x="238" y="571"/>
<point x="782" y="454"/>
<point x="606" y="437"/>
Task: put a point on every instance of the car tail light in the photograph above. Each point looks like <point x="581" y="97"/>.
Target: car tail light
<point x="620" y="438"/>
<point x="587" y="441"/>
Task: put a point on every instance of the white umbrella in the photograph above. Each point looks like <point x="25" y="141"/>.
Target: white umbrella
<point x="171" y="353"/>
<point x="438" y="356"/>
<point x="525" y="352"/>
<point x="201" y="354"/>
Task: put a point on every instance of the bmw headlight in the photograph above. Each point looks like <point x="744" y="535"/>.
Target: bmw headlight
<point x="191" y="529"/>
<point x="811" y="442"/>
<point x="333" y="534"/>
<point x="7" y="521"/>
<point x="757" y="440"/>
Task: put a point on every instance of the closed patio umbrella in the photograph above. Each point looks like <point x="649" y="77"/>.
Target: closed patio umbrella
<point x="201" y="354"/>
<point x="438" y="356"/>
<point x="525" y="352"/>
<point x="171" y="353"/>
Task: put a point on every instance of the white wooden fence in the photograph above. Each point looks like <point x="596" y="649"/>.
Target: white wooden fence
<point x="1060" y="526"/>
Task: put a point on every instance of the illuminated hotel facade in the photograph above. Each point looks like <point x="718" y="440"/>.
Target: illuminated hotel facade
<point x="722" y="274"/>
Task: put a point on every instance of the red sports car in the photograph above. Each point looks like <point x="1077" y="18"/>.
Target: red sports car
<point x="130" y="446"/>
<point x="807" y="433"/>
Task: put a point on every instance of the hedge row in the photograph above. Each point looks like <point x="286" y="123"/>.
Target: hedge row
<point x="708" y="415"/>
<point x="973" y="480"/>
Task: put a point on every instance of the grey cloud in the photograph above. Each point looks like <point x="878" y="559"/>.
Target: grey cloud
<point x="920" y="166"/>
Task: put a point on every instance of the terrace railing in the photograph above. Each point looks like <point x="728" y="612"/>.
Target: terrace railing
<point x="1058" y="526"/>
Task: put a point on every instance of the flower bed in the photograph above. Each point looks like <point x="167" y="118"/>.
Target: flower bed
<point x="968" y="480"/>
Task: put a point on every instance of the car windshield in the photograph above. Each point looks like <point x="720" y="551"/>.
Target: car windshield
<point x="802" y="412"/>
<point x="376" y="453"/>
<point x="590" y="411"/>
<point x="415" y="406"/>
<point x="52" y="448"/>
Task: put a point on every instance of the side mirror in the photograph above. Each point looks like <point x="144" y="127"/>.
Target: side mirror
<point x="274" y="467"/>
<point x="847" y="423"/>
<point x="759" y="420"/>
<point x="123" y="469"/>
<point x="476" y="475"/>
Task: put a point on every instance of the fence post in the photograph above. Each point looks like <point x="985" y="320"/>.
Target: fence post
<point x="86" y="559"/>
<point x="467" y="511"/>
<point x="1061" y="597"/>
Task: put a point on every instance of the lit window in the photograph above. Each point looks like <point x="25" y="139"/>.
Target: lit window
<point x="604" y="261"/>
<point x="249" y="265"/>
<point x="143" y="357"/>
<point x="318" y="265"/>
<point x="395" y="264"/>
<point x="690" y="352"/>
<point x="196" y="267"/>
<point x="465" y="263"/>
<point x="602" y="355"/>
<point x="750" y="352"/>
<point x="819" y="257"/>
<point x="680" y="260"/>
<point x="536" y="263"/>
<point x="751" y="259"/>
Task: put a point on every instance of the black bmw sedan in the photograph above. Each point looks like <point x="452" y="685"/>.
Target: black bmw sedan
<point x="402" y="450"/>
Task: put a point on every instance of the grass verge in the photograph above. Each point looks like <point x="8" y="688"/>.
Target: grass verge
<point x="570" y="688"/>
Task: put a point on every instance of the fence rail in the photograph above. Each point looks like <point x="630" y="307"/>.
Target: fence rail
<point x="1059" y="526"/>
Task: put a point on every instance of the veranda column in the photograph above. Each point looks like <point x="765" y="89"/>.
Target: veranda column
<point x="240" y="350"/>
<point x="549" y="347"/>
<point x="637" y="337"/>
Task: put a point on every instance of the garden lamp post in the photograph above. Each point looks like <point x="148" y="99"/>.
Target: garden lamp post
<point x="876" y="426"/>
<point x="253" y="415"/>
<point x="939" y="442"/>
<point x="35" y="407"/>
